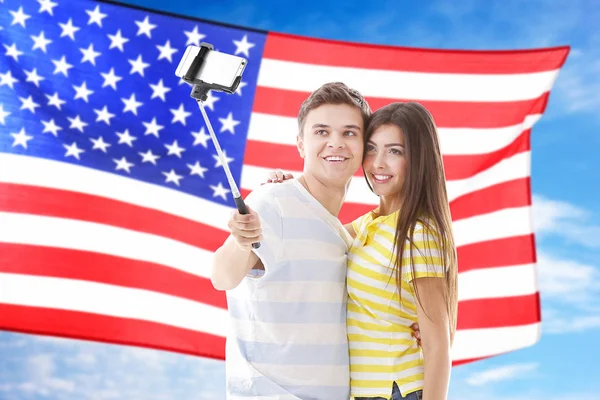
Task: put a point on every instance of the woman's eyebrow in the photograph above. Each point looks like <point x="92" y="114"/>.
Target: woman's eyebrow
<point x="387" y="145"/>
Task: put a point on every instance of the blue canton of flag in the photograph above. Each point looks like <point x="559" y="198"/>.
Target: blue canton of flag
<point x="93" y="83"/>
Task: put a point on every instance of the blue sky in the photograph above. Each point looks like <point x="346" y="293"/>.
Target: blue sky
<point x="565" y="184"/>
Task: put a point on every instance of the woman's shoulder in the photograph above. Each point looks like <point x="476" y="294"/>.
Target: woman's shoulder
<point x="426" y="225"/>
<point x="365" y="218"/>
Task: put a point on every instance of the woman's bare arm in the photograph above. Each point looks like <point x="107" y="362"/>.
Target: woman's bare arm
<point x="435" y="337"/>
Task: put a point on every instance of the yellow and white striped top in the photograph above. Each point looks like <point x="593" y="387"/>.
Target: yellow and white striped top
<point x="382" y="348"/>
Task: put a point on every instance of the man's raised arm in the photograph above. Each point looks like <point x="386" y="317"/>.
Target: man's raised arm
<point x="235" y="258"/>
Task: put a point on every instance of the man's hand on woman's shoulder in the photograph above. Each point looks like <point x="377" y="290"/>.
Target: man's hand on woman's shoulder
<point x="278" y="176"/>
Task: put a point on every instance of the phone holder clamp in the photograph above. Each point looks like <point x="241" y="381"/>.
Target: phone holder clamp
<point x="200" y="88"/>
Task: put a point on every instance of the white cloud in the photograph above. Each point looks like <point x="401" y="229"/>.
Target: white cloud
<point x="570" y="289"/>
<point x="570" y="293"/>
<point x="13" y="343"/>
<point x="504" y="373"/>
<point x="567" y="280"/>
<point x="152" y="359"/>
<point x="509" y="393"/>
<point x="560" y="218"/>
<point x="53" y="340"/>
<point x="83" y="358"/>
<point x="561" y="322"/>
<point x="514" y="24"/>
<point x="41" y="366"/>
<point x="40" y="378"/>
<point x="59" y="384"/>
<point x="85" y="370"/>
<point x="548" y="215"/>
<point x="578" y="83"/>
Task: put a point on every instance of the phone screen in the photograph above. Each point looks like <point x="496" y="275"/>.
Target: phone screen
<point x="221" y="68"/>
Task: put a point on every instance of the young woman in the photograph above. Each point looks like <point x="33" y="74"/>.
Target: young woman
<point x="402" y="264"/>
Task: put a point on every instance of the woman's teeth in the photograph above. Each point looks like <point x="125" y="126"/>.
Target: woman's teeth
<point x="334" y="158"/>
<point x="382" y="178"/>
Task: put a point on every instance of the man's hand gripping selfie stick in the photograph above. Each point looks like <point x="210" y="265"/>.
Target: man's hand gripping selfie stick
<point x="200" y="93"/>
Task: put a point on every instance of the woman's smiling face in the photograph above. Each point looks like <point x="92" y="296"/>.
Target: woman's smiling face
<point x="385" y="160"/>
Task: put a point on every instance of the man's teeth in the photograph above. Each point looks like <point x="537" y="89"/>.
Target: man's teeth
<point x="382" y="177"/>
<point x="334" y="158"/>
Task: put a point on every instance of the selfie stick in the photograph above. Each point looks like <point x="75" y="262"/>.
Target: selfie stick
<point x="200" y="91"/>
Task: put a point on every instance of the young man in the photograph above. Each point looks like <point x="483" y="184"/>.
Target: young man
<point x="287" y="299"/>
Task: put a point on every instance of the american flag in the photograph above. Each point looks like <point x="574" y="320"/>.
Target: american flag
<point x="112" y="198"/>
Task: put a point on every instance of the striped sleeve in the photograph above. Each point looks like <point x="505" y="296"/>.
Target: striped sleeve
<point x="267" y="208"/>
<point x="358" y="223"/>
<point x="426" y="256"/>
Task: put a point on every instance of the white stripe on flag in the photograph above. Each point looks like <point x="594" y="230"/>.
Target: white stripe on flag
<point x="506" y="170"/>
<point x="454" y="141"/>
<point x="467" y="141"/>
<point x="253" y="177"/>
<point x="509" y="281"/>
<point x="54" y="174"/>
<point x="401" y="84"/>
<point x="59" y="175"/>
<point x="86" y="236"/>
<point x="515" y="167"/>
<point x="477" y="343"/>
<point x="90" y="297"/>
<point x="496" y="225"/>
<point x="519" y="280"/>
<point x="63" y="233"/>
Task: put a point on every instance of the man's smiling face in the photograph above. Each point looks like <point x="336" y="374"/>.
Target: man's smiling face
<point x="332" y="143"/>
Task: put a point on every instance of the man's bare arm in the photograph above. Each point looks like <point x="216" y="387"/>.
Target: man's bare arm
<point x="350" y="230"/>
<point x="235" y="258"/>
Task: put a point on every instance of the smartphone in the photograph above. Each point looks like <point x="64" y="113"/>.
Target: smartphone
<point x="217" y="68"/>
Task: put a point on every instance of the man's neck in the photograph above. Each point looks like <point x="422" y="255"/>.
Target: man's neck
<point x="331" y="197"/>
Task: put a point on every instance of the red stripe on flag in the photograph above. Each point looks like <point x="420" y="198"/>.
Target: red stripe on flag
<point x="447" y="114"/>
<point x="274" y="156"/>
<point x="351" y="211"/>
<point x="111" y="270"/>
<point x="470" y="360"/>
<point x="456" y="166"/>
<point x="344" y="54"/>
<point x="112" y="330"/>
<point x="499" y="312"/>
<point x="515" y="193"/>
<point x="79" y="206"/>
<point x="465" y="166"/>
<point x="516" y="250"/>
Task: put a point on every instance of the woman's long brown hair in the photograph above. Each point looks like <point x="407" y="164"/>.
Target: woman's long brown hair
<point x="423" y="194"/>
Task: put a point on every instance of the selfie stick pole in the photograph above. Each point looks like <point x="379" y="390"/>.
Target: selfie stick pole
<point x="200" y="93"/>
<point x="239" y="202"/>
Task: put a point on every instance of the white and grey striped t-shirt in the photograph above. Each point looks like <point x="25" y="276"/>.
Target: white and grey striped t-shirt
<point x="288" y="323"/>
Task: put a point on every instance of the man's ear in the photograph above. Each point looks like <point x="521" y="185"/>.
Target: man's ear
<point x="300" y="145"/>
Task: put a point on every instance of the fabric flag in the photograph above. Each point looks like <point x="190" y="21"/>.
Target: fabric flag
<point x="112" y="198"/>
